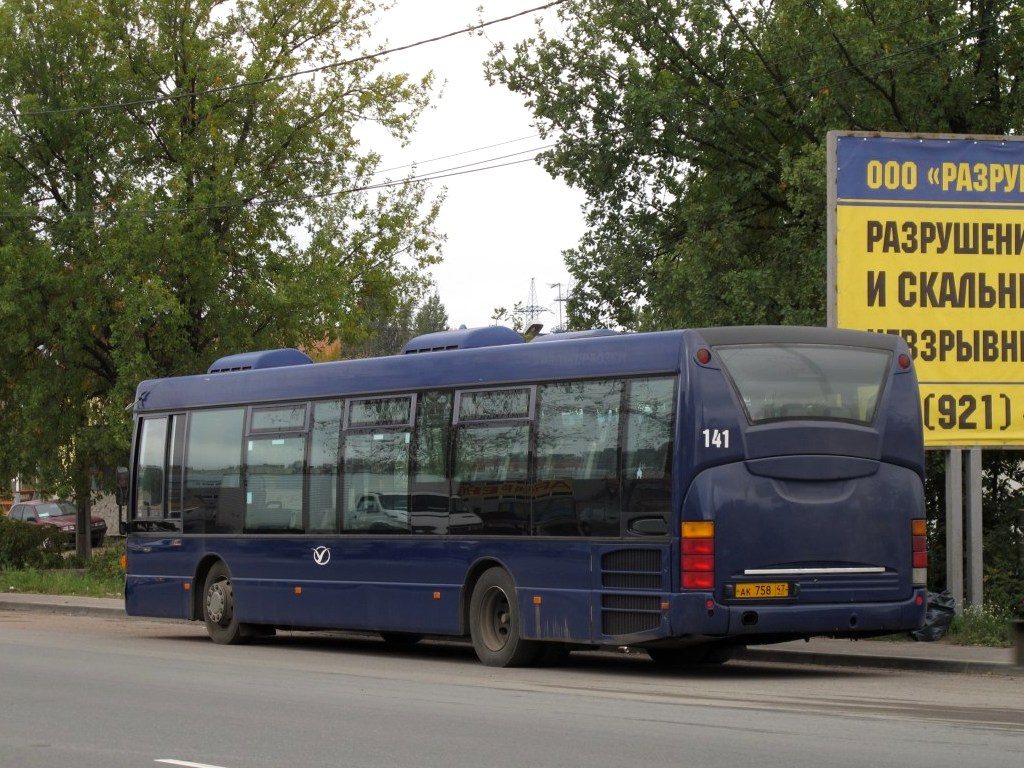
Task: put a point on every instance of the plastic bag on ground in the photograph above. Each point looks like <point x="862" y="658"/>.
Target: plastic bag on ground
<point x="941" y="607"/>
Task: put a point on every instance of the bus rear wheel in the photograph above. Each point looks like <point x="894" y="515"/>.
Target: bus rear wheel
<point x="219" y="608"/>
<point x="495" y="623"/>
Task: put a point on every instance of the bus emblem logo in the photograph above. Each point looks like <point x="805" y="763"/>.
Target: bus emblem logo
<point x="322" y="555"/>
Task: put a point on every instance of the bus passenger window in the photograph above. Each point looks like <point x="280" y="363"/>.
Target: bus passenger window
<point x="273" y="488"/>
<point x="491" y="475"/>
<point x="576" y="482"/>
<point x="376" y="490"/>
<point x="323" y="467"/>
<point x="647" y="454"/>
<point x="212" y="471"/>
<point x="149" y="475"/>
<point x="429" y="493"/>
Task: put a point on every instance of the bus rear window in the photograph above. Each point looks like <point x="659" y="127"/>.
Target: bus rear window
<point x="806" y="381"/>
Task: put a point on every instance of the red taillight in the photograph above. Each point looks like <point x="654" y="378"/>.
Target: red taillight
<point x="698" y="580"/>
<point x="698" y="546"/>
<point x="919" y="550"/>
<point x="698" y="555"/>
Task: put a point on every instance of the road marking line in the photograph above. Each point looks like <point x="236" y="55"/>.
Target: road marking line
<point x="186" y="764"/>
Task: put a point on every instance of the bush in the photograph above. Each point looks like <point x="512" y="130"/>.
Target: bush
<point x="104" y="563"/>
<point x="23" y="545"/>
<point x="982" y="626"/>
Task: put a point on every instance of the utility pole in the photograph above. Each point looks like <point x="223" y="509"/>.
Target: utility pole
<point x="531" y="312"/>
<point x="561" y="300"/>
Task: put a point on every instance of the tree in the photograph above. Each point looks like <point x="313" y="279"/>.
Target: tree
<point x="179" y="180"/>
<point x="386" y="335"/>
<point x="697" y="131"/>
<point x="431" y="316"/>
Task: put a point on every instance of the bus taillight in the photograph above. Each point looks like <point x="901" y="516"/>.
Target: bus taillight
<point x="698" y="556"/>
<point x="919" y="554"/>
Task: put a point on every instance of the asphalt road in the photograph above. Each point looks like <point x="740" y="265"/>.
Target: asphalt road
<point x="92" y="692"/>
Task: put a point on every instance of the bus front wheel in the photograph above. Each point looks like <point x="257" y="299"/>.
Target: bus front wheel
<point x="219" y="608"/>
<point x="495" y="623"/>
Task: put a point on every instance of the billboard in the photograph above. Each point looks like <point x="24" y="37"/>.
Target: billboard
<point x="926" y="239"/>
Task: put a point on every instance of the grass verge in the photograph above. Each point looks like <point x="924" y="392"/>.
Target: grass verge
<point x="100" y="577"/>
<point x="981" y="626"/>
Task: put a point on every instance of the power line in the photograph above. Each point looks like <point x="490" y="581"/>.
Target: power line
<point x="444" y="173"/>
<point x="277" y="78"/>
<point x="459" y="154"/>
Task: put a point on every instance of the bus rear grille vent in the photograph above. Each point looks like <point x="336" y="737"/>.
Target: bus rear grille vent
<point x="632" y="569"/>
<point x="628" y="614"/>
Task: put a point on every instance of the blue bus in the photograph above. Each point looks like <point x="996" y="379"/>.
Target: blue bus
<point x="685" y="492"/>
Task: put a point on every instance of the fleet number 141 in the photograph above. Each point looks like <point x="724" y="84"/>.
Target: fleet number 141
<point x="716" y="438"/>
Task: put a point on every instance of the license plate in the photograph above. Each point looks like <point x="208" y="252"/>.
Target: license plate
<point x="762" y="590"/>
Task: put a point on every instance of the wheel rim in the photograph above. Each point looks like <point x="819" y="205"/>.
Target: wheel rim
<point x="497" y="619"/>
<point x="218" y="602"/>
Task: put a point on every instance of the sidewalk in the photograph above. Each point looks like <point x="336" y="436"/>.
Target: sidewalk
<point x="939" y="656"/>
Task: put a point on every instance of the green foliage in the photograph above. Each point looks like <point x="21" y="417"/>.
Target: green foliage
<point x="62" y="581"/>
<point x="981" y="626"/>
<point x="23" y="545"/>
<point x="1002" y="528"/>
<point x="430" y="317"/>
<point x="386" y="335"/>
<point x="171" y="190"/>
<point x="100" y="576"/>
<point x="105" y="563"/>
<point x="697" y="131"/>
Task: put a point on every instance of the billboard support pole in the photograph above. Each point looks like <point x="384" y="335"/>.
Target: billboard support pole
<point x="974" y="529"/>
<point x="955" y="527"/>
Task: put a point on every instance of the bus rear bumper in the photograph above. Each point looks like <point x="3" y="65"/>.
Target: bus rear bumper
<point x="699" y="614"/>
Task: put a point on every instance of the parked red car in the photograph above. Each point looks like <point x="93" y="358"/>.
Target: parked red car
<point x="60" y="514"/>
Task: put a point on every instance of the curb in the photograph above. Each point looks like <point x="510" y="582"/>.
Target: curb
<point x="67" y="607"/>
<point x="962" y="666"/>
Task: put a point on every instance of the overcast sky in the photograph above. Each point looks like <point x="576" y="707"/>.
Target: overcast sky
<point x="505" y="226"/>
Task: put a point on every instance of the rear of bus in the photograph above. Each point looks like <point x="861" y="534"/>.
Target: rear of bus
<point x="802" y="469"/>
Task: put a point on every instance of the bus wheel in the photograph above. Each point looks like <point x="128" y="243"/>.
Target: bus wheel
<point x="495" y="623"/>
<point x="219" y="608"/>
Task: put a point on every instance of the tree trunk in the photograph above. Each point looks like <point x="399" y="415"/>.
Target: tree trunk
<point x="83" y="500"/>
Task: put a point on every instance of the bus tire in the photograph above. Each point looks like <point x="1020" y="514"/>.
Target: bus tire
<point x="495" y="624"/>
<point x="219" y="608"/>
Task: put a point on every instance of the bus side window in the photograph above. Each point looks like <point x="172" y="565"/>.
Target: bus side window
<point x="150" y="473"/>
<point x="491" y="474"/>
<point x="213" y="468"/>
<point x="325" y="436"/>
<point x="647" y="454"/>
<point x="376" y="490"/>
<point x="273" y="494"/>
<point x="576" y="488"/>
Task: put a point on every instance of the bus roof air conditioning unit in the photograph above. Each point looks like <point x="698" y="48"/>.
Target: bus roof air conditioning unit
<point x="464" y="338"/>
<point x="269" y="358"/>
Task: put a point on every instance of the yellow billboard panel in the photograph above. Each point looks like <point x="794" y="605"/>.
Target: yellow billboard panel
<point x="928" y="242"/>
